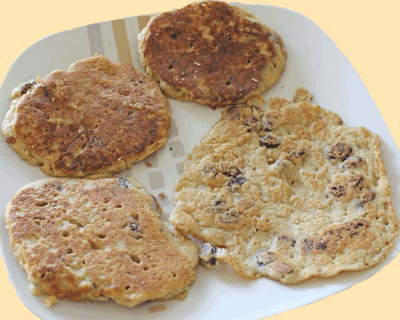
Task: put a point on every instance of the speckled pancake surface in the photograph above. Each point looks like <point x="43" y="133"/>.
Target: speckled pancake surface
<point x="95" y="119"/>
<point x="98" y="239"/>
<point x="211" y="53"/>
<point x="285" y="190"/>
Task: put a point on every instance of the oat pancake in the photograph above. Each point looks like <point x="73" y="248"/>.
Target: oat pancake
<point x="98" y="240"/>
<point x="211" y="53"/>
<point x="95" y="119"/>
<point x="284" y="190"/>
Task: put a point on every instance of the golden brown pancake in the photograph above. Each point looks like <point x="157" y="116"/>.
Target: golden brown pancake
<point x="100" y="239"/>
<point x="284" y="190"/>
<point x="211" y="53"/>
<point x="95" y="119"/>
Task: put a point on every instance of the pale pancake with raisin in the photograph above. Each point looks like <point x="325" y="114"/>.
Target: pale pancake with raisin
<point x="284" y="190"/>
<point x="95" y="119"/>
<point x="103" y="239"/>
<point x="211" y="53"/>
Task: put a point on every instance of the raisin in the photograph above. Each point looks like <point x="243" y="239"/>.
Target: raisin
<point x="353" y="162"/>
<point x="307" y="245"/>
<point x="217" y="206"/>
<point x="123" y="182"/>
<point x="208" y="248"/>
<point x="287" y="239"/>
<point x="229" y="217"/>
<point x="356" y="181"/>
<point x="337" y="190"/>
<point x="298" y="153"/>
<point x="256" y="111"/>
<point x="355" y="227"/>
<point x="212" y="169"/>
<point x="231" y="172"/>
<point x="283" y="267"/>
<point x="265" y="257"/>
<point x="134" y="227"/>
<point x="216" y="203"/>
<point x="269" y="122"/>
<point x="365" y="197"/>
<point x="57" y="186"/>
<point x="339" y="150"/>
<point x="269" y="141"/>
<point x="359" y="225"/>
<point x="236" y="180"/>
<point x="283" y="165"/>
<point x="207" y="254"/>
<point x="314" y="246"/>
<point x="234" y="113"/>
<point x="250" y="124"/>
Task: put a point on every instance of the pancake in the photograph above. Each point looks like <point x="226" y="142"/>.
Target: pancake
<point x="211" y="53"/>
<point x="284" y="190"/>
<point x="100" y="239"/>
<point x="95" y="119"/>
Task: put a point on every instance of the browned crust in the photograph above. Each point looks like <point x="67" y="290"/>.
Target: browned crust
<point x="211" y="53"/>
<point x="95" y="119"/>
<point x="98" y="240"/>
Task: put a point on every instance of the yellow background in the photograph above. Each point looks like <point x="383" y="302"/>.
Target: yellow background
<point x="367" y="32"/>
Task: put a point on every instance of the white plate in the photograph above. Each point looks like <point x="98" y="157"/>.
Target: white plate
<point x="314" y="62"/>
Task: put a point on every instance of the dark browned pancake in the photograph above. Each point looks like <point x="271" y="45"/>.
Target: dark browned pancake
<point x="211" y="53"/>
<point x="95" y="119"/>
